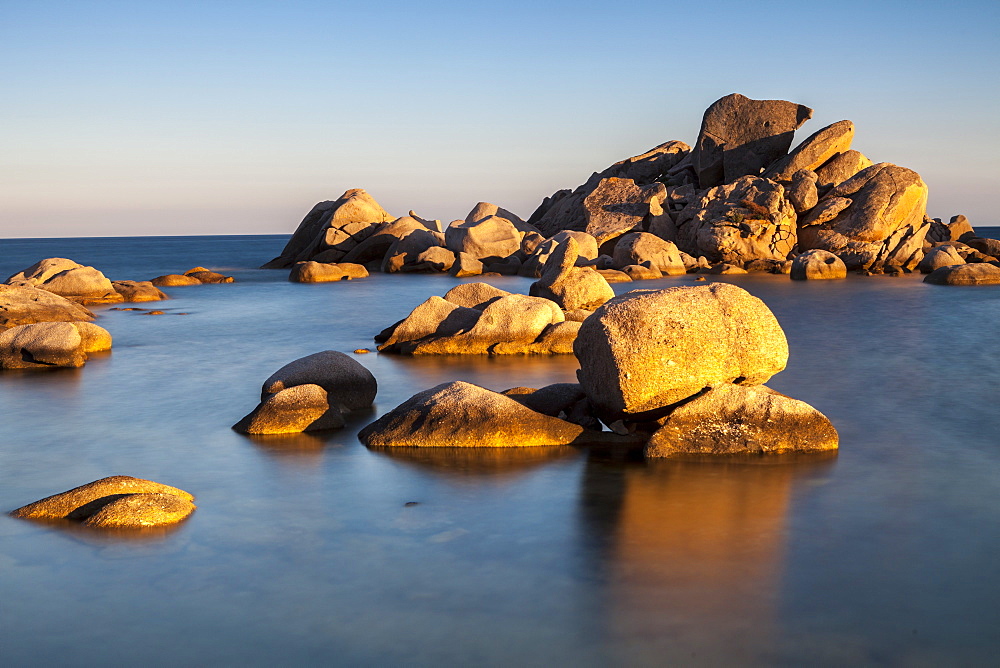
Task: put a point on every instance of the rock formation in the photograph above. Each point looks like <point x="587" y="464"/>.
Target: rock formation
<point x="27" y="305"/>
<point x="817" y="265"/>
<point x="46" y="345"/>
<point x="69" y="279"/>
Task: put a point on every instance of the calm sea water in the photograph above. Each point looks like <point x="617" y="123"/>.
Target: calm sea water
<point x="303" y="550"/>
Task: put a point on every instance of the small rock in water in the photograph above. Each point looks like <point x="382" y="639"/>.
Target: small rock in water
<point x="361" y="351"/>
<point x="155" y="313"/>
<point x="408" y="504"/>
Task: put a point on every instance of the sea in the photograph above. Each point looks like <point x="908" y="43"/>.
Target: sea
<point x="314" y="550"/>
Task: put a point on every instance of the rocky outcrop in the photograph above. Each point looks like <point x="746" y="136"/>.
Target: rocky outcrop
<point x="47" y="345"/>
<point x="416" y="252"/>
<point x="741" y="137"/>
<point x="569" y="286"/>
<point x="980" y="273"/>
<point x="741" y="221"/>
<point x="381" y="239"/>
<point x="337" y="226"/>
<point x="587" y="250"/>
<point x="646" y="350"/>
<point x="814" y="152"/>
<point x="460" y="414"/>
<point x="27" y="305"/>
<point x="138" y="291"/>
<point x="817" y="265"/>
<point x="321" y="272"/>
<point x="735" y="419"/>
<point x="489" y="239"/>
<point x="68" y="279"/>
<point x="114" y="502"/>
<point x="873" y="220"/>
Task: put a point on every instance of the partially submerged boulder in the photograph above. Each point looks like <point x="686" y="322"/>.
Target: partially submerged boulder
<point x="68" y="279"/>
<point x="26" y="305"/>
<point x="114" y="502"/>
<point x="47" y="345"/>
<point x="817" y="265"/>
<point x="980" y="273"/>
<point x="174" y="281"/>
<point x="734" y="419"/>
<point x="461" y="414"/>
<point x="138" y="291"/>
<point x="648" y="349"/>
<point x="942" y="256"/>
<point x="348" y="383"/>
<point x="321" y="272"/>
<point x="291" y="411"/>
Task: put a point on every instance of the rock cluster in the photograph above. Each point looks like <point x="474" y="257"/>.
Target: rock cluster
<point x="742" y="199"/>
<point x="119" y="502"/>
<point x="310" y="394"/>
<point x="678" y="371"/>
<point x="195" y="276"/>
<point x="69" y="279"/>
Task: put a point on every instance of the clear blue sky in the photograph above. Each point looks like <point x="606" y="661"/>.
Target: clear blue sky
<point x="136" y="118"/>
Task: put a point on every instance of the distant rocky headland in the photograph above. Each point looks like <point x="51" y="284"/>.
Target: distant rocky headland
<point x="742" y="199"/>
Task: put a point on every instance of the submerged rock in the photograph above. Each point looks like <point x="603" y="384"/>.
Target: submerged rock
<point x="174" y="281"/>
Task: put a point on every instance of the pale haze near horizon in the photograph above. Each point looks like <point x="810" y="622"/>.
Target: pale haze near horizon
<point x="124" y="119"/>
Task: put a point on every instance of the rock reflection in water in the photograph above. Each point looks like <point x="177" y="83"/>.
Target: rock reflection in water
<point x="692" y="552"/>
<point x="462" y="462"/>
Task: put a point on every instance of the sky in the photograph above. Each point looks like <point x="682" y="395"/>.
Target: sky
<point x="217" y="117"/>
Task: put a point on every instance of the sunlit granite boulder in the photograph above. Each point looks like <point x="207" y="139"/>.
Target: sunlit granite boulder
<point x="980" y="273"/>
<point x="310" y="394"/>
<point x="735" y="419"/>
<point x="460" y="414"/>
<point x="569" y="286"/>
<point x="475" y="295"/>
<point x="840" y="168"/>
<point x="322" y="272"/>
<point x="643" y="248"/>
<point x="26" y="305"/>
<point x="174" y="281"/>
<point x="817" y="265"/>
<point x="566" y="401"/>
<point x="814" y="152"/>
<point x="207" y="276"/>
<point x="46" y="345"/>
<point x="418" y="251"/>
<point x="586" y="247"/>
<point x="114" y="502"/>
<point x="69" y="279"/>
<point x="942" y="256"/>
<point x="466" y="265"/>
<point x="487" y="239"/>
<point x="138" y="291"/>
<point x="647" y="349"/>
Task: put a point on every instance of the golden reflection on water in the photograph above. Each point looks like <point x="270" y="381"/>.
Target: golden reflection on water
<point x="692" y="545"/>
<point x="461" y="462"/>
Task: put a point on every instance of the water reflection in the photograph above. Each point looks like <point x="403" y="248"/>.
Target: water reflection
<point x="687" y="546"/>
<point x="462" y="462"/>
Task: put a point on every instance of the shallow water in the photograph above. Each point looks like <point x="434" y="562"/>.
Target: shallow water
<point x="303" y="549"/>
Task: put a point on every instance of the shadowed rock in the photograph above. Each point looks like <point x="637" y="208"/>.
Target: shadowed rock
<point x="466" y="265"/>
<point x="840" y="168"/>
<point x="569" y="286"/>
<point x="640" y="248"/>
<point x="534" y="266"/>
<point x="435" y="317"/>
<point x="293" y="410"/>
<point x="26" y="305"/>
<point x="51" y="344"/>
<point x="208" y="277"/>
<point x="405" y="253"/>
<point x="347" y="382"/>
<point x="174" y="281"/>
<point x="814" y="152"/>
<point x="981" y="273"/>
<point x="138" y="291"/>
<point x="817" y="265"/>
<point x="942" y="256"/>
<point x="375" y="246"/>
<point x="732" y="419"/>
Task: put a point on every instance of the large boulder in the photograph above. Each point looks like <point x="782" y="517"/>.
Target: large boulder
<point x="138" y="291"/>
<point x="986" y="246"/>
<point x="69" y="279"/>
<point x="748" y="219"/>
<point x="487" y="239"/>
<point x="814" y="152"/>
<point x="435" y="317"/>
<point x="942" y="256"/>
<point x="648" y="349"/>
<point x="26" y="305"/>
<point x="587" y="249"/>
<point x="376" y="244"/>
<point x="475" y="295"/>
<point x="405" y="253"/>
<point x="322" y="272"/>
<point x="51" y="344"/>
<point x="569" y="286"/>
<point x="980" y="273"/>
<point x="347" y="382"/>
<point x="734" y="419"/>
<point x="840" y="168"/>
<point x="118" y="501"/>
<point x="293" y="410"/>
<point x="637" y="248"/>
<point x="817" y="265"/>
<point x="174" y="281"/>
<point x="460" y="414"/>
<point x="873" y="220"/>
<point x="740" y="137"/>
<point x="329" y="226"/>
<point x="616" y="206"/>
<point x="565" y="209"/>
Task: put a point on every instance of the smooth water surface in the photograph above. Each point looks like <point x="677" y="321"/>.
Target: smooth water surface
<point x="304" y="548"/>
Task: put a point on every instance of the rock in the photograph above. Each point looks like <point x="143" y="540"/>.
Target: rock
<point x="466" y="265"/>
<point x="817" y="264"/>
<point x="347" y="383"/>
<point x="435" y="317"/>
<point x="51" y="344"/>
<point x="68" y="279"/>
<point x="174" y="281"/>
<point x="320" y="272"/>
<point x="768" y="266"/>
<point x="578" y="315"/>
<point x="741" y="137"/>
<point x="136" y="511"/>
<point x="648" y="349"/>
<point x="550" y="400"/>
<point x="489" y="239"/>
<point x="959" y="228"/>
<point x="530" y="243"/>
<point x="840" y="168"/>
<point x="484" y="210"/>
<point x="617" y="206"/>
<point x="535" y="264"/>
<point x="942" y="256"/>
<point x="433" y="259"/>
<point x="640" y="272"/>
<point x="329" y="226"/>
<point x="873" y="220"/>
<point x="733" y="419"/>
<point x="208" y="277"/>
<point x="981" y="273"/>
<point x="475" y="295"/>
<point x="27" y="305"/>
<point x="723" y="268"/>
<point x="985" y="246"/>
<point x="802" y="192"/>
<point x="569" y="286"/>
<point x="510" y="266"/>
<point x="460" y="414"/>
<point x="564" y="210"/>
<point x="293" y="410"/>
<point x="86" y="501"/>
<point x="380" y="240"/>
<point x="404" y="254"/>
<point x="138" y="291"/>
<point x="748" y="219"/>
<point x="814" y="152"/>
<point x="614" y="276"/>
<point x="639" y="248"/>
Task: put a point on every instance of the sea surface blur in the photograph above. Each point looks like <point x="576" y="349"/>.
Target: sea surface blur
<point x="309" y="549"/>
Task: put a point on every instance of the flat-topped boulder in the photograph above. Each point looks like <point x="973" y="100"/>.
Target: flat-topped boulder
<point x="323" y="272"/>
<point x="174" y="281"/>
<point x="47" y="345"/>
<point x="980" y="273"/>
<point x="68" y="279"/>
<point x="114" y="502"/>
<point x="21" y="305"/>
<point x="460" y="414"/>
